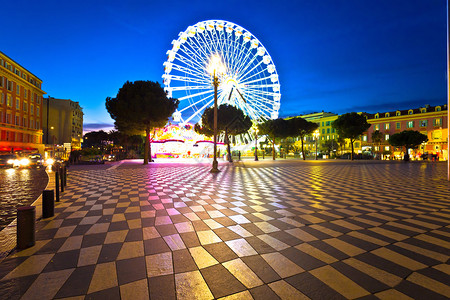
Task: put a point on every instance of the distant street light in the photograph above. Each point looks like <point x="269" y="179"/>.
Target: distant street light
<point x="316" y="136"/>
<point x="215" y="67"/>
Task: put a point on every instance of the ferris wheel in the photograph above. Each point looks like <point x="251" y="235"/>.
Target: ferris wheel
<point x="249" y="79"/>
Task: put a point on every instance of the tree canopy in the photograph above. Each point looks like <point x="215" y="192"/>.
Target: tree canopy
<point x="230" y="120"/>
<point x="410" y="139"/>
<point x="301" y="128"/>
<point x="351" y="126"/>
<point x="139" y="107"/>
<point x="273" y="129"/>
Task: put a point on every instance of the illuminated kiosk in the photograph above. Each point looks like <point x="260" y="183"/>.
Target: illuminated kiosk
<point x="249" y="81"/>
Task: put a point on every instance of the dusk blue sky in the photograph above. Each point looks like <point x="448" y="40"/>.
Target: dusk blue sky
<point x="331" y="55"/>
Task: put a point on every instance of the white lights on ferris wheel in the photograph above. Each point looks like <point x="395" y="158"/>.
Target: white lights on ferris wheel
<point x="248" y="78"/>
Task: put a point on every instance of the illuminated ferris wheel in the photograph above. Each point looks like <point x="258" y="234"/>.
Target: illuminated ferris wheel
<point x="249" y="79"/>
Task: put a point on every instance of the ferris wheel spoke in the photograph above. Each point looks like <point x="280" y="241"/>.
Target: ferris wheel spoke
<point x="199" y="110"/>
<point x="195" y="95"/>
<point x="189" y="61"/>
<point x="190" y="88"/>
<point x="187" y="79"/>
<point x="254" y="67"/>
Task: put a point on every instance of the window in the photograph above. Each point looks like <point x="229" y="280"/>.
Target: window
<point x="438" y="108"/>
<point x="8" y="101"/>
<point x="387" y="126"/>
<point x="25" y="91"/>
<point x="322" y="124"/>
<point x="438" y="122"/>
<point x="397" y="125"/>
<point x="386" y="137"/>
<point x="410" y="124"/>
<point x="410" y="112"/>
<point x="32" y="109"/>
<point x="377" y="116"/>
<point x="356" y="145"/>
<point x="377" y="126"/>
<point x="38" y="100"/>
<point x="17" y="103"/>
<point x="17" y="89"/>
<point x="17" y="120"/>
<point x="333" y="130"/>
<point x="1" y="81"/>
<point x="387" y="115"/>
<point x="25" y="106"/>
<point x="37" y="111"/>
<point x="424" y="123"/>
<point x="24" y="122"/>
<point x="328" y="130"/>
<point x="364" y="138"/>
<point x="9" y="85"/>
<point x="8" y="118"/>
<point x="38" y="125"/>
<point x="2" y="98"/>
<point x="423" y="110"/>
<point x="386" y="148"/>
<point x="323" y="131"/>
<point x="397" y="113"/>
<point x="328" y="123"/>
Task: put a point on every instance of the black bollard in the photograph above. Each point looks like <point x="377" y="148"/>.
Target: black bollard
<point x="26" y="224"/>
<point x="57" y="186"/>
<point x="48" y="204"/>
<point x="65" y="175"/>
<point x="61" y="175"/>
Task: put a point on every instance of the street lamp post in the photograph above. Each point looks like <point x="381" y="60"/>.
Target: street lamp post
<point x="316" y="135"/>
<point x="256" y="143"/>
<point x="215" y="67"/>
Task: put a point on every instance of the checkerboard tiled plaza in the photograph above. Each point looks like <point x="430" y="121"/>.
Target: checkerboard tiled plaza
<point x="267" y="230"/>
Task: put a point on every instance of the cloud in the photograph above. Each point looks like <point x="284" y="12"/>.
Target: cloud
<point x="97" y="126"/>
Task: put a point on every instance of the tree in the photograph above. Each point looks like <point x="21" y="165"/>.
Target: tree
<point x="277" y="128"/>
<point x="351" y="126"/>
<point x="230" y="120"/>
<point x="330" y="146"/>
<point x="139" y="107"/>
<point x="410" y="139"/>
<point x="377" y="137"/>
<point x="301" y="128"/>
<point x="96" y="139"/>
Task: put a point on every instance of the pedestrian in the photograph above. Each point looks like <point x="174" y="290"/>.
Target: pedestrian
<point x="239" y="155"/>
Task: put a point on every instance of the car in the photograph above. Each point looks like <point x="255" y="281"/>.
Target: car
<point x="9" y="160"/>
<point x="36" y="160"/>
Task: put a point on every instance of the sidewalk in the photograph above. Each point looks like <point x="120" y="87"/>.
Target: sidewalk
<point x="256" y="230"/>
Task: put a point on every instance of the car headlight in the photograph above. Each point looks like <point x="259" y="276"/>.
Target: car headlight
<point x="11" y="161"/>
<point x="50" y="161"/>
<point x="24" y="162"/>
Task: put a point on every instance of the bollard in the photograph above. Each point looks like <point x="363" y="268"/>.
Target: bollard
<point x="26" y="223"/>
<point x="61" y="175"/>
<point x="57" y="186"/>
<point x="48" y="204"/>
<point x="65" y="175"/>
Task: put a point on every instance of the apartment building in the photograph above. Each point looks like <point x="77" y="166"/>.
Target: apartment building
<point x="62" y="124"/>
<point x="21" y="97"/>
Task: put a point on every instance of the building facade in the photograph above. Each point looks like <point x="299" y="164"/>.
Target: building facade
<point x="62" y="125"/>
<point x="21" y="98"/>
<point x="429" y="120"/>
